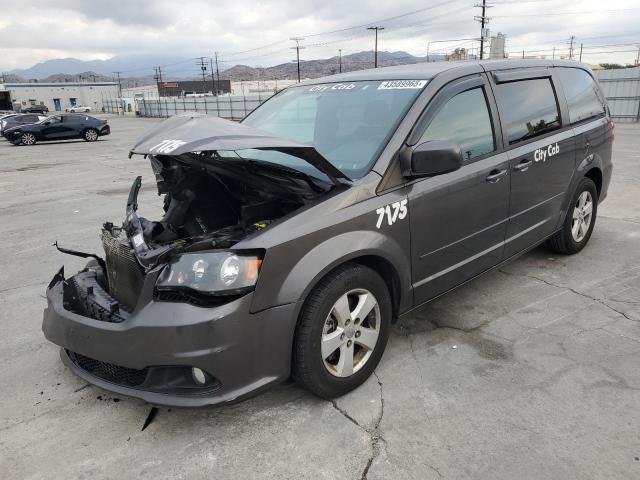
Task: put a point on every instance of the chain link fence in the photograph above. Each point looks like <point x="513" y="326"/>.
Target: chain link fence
<point x="229" y="107"/>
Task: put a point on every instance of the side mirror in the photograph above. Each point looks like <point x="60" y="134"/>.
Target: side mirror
<point x="431" y="158"/>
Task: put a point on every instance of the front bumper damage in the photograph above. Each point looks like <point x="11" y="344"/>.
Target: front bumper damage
<point x="149" y="353"/>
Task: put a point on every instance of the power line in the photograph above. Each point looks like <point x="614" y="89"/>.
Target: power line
<point x="384" y="20"/>
<point x="549" y="14"/>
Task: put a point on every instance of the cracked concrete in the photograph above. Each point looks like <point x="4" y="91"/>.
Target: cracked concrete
<point x="528" y="372"/>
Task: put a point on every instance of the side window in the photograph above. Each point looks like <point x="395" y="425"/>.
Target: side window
<point x="465" y="120"/>
<point x="529" y="108"/>
<point x="581" y="92"/>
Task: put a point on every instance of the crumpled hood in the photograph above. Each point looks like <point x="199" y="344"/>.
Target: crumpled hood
<point x="196" y="132"/>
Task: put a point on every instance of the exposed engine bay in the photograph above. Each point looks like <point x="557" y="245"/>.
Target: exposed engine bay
<point x="221" y="183"/>
<point x="210" y="203"/>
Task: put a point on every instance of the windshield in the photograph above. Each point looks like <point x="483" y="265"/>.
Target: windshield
<point x="348" y="123"/>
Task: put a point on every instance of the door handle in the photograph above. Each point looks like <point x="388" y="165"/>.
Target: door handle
<point x="523" y="165"/>
<point x="496" y="175"/>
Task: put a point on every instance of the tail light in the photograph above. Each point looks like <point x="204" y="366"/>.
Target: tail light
<point x="612" y="135"/>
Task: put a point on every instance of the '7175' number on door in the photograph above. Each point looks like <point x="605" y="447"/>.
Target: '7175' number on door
<point x="394" y="211"/>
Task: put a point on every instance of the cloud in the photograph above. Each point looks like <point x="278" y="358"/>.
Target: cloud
<point x="78" y="28"/>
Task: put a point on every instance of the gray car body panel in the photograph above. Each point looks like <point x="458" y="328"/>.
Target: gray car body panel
<point x="435" y="248"/>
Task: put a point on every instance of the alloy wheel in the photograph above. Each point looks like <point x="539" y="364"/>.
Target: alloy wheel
<point x="28" y="138"/>
<point x="582" y="216"/>
<point x="350" y="332"/>
<point x="91" y="135"/>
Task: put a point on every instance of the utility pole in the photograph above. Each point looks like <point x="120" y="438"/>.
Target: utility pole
<point x="553" y="54"/>
<point x="119" y="92"/>
<point x="571" y="40"/>
<point x="581" y="52"/>
<point x="217" y="74"/>
<point x="158" y="78"/>
<point x="119" y="84"/>
<point x="637" y="57"/>
<point x="339" y="60"/>
<point x="375" y="52"/>
<point x="203" y="69"/>
<point x="297" y="49"/>
<point x="213" y="78"/>
<point x="484" y="20"/>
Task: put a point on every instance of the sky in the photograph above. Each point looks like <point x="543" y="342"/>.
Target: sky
<point x="258" y="32"/>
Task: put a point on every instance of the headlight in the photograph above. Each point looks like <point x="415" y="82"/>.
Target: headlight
<point x="221" y="273"/>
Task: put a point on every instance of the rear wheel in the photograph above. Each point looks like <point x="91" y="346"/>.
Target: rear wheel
<point x="580" y="220"/>
<point x="28" y="138"/>
<point x="342" y="332"/>
<point x="90" y="135"/>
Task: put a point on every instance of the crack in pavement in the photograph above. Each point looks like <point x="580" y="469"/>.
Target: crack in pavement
<point x="571" y="289"/>
<point x="9" y="289"/>
<point x="374" y="433"/>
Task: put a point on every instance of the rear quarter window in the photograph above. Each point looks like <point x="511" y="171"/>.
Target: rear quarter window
<point x="581" y="92"/>
<point x="528" y="108"/>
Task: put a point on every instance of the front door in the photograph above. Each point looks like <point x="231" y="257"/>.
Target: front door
<point x="56" y="104"/>
<point x="53" y="128"/>
<point x="541" y="156"/>
<point x="458" y="220"/>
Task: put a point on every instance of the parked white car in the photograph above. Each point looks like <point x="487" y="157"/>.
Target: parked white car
<point x="78" y="108"/>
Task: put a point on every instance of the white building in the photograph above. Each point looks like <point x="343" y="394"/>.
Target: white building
<point x="498" y="45"/>
<point x="56" y="96"/>
<point x="259" y="87"/>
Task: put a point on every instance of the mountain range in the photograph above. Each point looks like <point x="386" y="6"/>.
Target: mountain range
<point x="134" y="68"/>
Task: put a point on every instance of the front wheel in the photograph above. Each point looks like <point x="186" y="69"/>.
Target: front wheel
<point x="342" y="331"/>
<point x="90" y="135"/>
<point x="28" y="138"/>
<point x="580" y="220"/>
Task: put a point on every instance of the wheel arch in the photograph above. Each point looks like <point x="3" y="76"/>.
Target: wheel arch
<point x="85" y="129"/>
<point x="294" y="283"/>
<point x="595" y="174"/>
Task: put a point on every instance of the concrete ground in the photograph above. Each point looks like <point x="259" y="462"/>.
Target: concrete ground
<point x="532" y="371"/>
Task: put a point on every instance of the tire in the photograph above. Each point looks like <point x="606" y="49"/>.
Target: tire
<point x="28" y="138"/>
<point x="578" y="224"/>
<point x="320" y="326"/>
<point x="90" y="135"/>
<point x="87" y="111"/>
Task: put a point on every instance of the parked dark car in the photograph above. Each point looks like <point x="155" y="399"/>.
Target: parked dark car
<point x="20" y="119"/>
<point x="36" y="109"/>
<point x="59" y="127"/>
<point x="291" y="241"/>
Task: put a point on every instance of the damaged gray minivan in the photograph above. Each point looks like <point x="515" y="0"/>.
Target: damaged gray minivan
<point x="291" y="241"/>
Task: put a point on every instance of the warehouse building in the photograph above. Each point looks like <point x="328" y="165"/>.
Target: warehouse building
<point x="183" y="88"/>
<point x="56" y="96"/>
